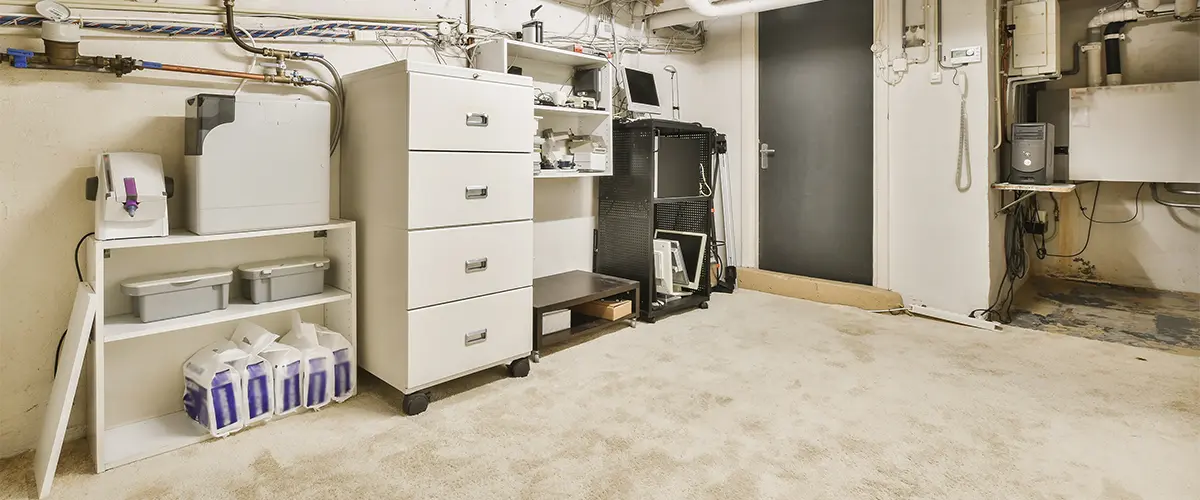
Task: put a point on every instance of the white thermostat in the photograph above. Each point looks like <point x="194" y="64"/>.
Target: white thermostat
<point x="965" y="55"/>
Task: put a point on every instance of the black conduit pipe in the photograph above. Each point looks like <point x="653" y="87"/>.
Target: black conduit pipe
<point x="1112" y="47"/>
<point x="1074" y="57"/>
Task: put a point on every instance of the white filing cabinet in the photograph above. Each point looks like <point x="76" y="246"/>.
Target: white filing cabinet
<point x="435" y="170"/>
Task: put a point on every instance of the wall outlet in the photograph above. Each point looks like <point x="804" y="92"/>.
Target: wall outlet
<point x="935" y="77"/>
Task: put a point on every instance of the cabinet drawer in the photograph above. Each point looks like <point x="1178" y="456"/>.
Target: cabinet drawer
<point x="457" y="263"/>
<point x="453" y="189"/>
<point x="450" y="339"/>
<point x="457" y="114"/>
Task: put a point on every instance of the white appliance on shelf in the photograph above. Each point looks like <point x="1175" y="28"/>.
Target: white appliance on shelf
<point x="255" y="162"/>
<point x="131" y="194"/>
<point x="435" y="168"/>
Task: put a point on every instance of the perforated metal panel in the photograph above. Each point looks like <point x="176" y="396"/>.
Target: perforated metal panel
<point x="628" y="213"/>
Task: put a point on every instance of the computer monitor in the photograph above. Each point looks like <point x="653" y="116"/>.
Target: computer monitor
<point x="693" y="246"/>
<point x="643" y="93"/>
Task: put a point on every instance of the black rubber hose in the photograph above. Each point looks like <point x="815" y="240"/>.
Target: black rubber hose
<point x="232" y="31"/>
<point x="1112" y="48"/>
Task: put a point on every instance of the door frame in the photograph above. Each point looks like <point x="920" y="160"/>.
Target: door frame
<point x="880" y="261"/>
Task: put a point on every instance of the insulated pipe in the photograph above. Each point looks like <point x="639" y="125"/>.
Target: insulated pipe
<point x="1185" y="8"/>
<point x="738" y="7"/>
<point x="1112" y="52"/>
<point x="1095" y="68"/>
<point x="1114" y="16"/>
<point x="168" y="8"/>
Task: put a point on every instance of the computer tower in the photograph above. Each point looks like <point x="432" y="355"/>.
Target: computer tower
<point x="1032" y="154"/>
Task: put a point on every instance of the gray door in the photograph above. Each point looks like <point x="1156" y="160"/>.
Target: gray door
<point x="815" y="192"/>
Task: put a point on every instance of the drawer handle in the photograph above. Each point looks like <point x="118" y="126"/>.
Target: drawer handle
<point x="477" y="192"/>
<point x="477" y="119"/>
<point x="476" y="265"/>
<point x="475" y="337"/>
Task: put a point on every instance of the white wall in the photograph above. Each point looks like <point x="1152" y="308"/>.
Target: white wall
<point x="54" y="124"/>
<point x="1159" y="248"/>
<point x="940" y="249"/>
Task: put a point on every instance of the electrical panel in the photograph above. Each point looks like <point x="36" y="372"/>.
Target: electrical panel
<point x="1033" y="25"/>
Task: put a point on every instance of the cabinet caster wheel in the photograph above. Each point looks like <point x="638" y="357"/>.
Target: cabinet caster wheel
<point x="415" y="404"/>
<point x="536" y="357"/>
<point x="519" y="368"/>
<point x="633" y="323"/>
<point x="704" y="305"/>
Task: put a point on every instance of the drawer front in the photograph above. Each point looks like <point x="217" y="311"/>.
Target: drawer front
<point x="456" y="114"/>
<point x="454" y="189"/>
<point x="458" y="263"/>
<point x="463" y="336"/>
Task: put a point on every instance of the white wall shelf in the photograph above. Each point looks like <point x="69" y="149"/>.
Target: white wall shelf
<point x="566" y="174"/>
<point x="553" y="70"/>
<point x="126" y="326"/>
<point x="1040" y="188"/>
<point x="543" y="111"/>
<point x="183" y="237"/>
<point x="135" y="368"/>
<point x="541" y="52"/>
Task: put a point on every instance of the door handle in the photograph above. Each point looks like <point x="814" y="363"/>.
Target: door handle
<point x="764" y="156"/>
<point x="476" y="265"/>
<point x="477" y="119"/>
<point x="475" y="337"/>
<point x="477" y="192"/>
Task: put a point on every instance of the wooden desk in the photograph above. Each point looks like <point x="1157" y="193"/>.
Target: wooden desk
<point x="572" y="288"/>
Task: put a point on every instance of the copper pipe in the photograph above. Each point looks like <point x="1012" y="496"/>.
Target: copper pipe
<point x="212" y="72"/>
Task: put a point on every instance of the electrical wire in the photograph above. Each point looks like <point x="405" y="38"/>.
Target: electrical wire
<point x="1088" y="239"/>
<point x="1137" y="204"/>
<point x="78" y="274"/>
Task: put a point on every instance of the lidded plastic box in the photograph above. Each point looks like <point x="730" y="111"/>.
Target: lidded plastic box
<point x="283" y="279"/>
<point x="172" y="295"/>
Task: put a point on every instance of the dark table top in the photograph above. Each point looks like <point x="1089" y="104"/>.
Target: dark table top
<point x="572" y="288"/>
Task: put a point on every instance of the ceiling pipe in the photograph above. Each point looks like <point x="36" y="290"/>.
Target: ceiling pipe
<point x="736" y="8"/>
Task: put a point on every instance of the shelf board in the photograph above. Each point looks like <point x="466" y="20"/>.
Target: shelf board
<point x="546" y="53"/>
<point x="540" y="110"/>
<point x="567" y="174"/>
<point x="1048" y="188"/>
<point x="132" y="442"/>
<point x="126" y="326"/>
<point x="183" y="237"/>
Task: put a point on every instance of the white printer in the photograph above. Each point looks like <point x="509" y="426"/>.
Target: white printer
<point x="255" y="162"/>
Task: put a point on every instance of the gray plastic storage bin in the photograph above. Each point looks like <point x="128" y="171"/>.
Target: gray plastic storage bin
<point x="171" y="295"/>
<point x="283" y="279"/>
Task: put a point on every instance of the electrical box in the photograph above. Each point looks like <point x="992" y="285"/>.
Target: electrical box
<point x="1035" y="37"/>
<point x="1135" y="133"/>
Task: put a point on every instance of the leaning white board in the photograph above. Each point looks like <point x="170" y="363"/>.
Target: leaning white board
<point x="62" y="393"/>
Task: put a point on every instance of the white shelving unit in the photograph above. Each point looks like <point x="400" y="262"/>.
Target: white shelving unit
<point x="552" y="70"/>
<point x="136" y="376"/>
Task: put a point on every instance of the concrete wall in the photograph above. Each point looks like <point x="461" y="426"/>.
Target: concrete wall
<point x="54" y="123"/>
<point x="1159" y="248"/>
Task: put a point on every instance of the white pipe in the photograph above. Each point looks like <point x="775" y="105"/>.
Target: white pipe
<point x="1095" y="69"/>
<point x="1148" y="4"/>
<point x="1185" y="8"/>
<point x="1115" y="16"/>
<point x="736" y="8"/>
<point x="168" y="8"/>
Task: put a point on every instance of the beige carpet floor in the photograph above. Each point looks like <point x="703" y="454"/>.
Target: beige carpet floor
<point x="758" y="397"/>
